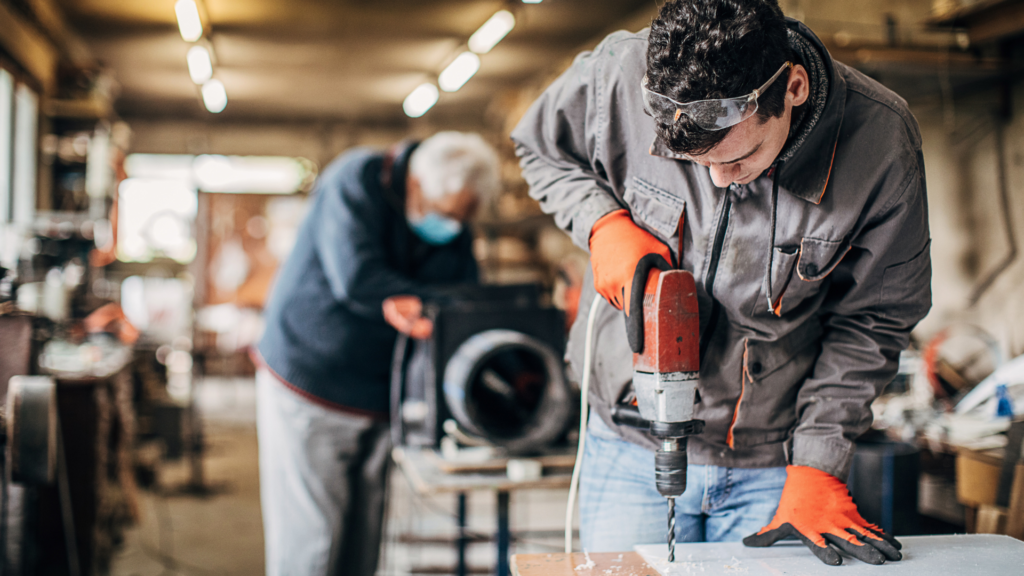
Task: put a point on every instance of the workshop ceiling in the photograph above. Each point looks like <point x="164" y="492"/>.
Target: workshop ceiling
<point x="333" y="60"/>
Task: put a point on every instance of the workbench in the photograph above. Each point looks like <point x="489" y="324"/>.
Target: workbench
<point x="981" y="554"/>
<point x="429" y="475"/>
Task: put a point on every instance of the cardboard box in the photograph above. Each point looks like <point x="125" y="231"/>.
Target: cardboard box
<point x="977" y="482"/>
<point x="977" y="477"/>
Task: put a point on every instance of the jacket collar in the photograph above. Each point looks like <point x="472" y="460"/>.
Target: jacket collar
<point x="806" y="175"/>
<point x="394" y="168"/>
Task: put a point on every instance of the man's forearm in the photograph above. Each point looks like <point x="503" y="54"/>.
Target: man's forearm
<point x="859" y="356"/>
<point x="576" y="198"/>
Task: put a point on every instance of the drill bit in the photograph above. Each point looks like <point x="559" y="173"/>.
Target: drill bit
<point x="671" y="529"/>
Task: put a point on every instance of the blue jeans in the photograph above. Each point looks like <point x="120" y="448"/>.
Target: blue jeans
<point x="620" y="506"/>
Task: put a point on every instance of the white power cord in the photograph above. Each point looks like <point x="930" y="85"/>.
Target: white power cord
<point x="584" y="390"/>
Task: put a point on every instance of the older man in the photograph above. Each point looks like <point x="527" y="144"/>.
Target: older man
<point x="382" y="229"/>
<point x="727" y="141"/>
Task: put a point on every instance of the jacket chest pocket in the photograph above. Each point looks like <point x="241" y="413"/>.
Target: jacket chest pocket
<point x="798" y="274"/>
<point x="656" y="209"/>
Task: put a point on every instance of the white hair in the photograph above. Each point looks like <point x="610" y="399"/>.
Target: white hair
<point x="447" y="162"/>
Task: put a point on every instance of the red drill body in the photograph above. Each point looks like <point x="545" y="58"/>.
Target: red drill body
<point x="665" y="378"/>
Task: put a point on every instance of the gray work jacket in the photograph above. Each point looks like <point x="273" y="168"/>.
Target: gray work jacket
<point x="851" y="255"/>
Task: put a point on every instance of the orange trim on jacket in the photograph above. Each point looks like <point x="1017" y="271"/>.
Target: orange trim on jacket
<point x="743" y="388"/>
<point x="829" y="175"/>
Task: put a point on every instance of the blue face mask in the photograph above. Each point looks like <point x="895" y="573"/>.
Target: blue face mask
<point x="435" y="229"/>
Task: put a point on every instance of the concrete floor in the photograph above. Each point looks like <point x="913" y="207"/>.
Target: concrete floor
<point x="217" y="533"/>
<point x="221" y="533"/>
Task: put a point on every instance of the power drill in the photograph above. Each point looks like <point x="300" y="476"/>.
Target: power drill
<point x="665" y="377"/>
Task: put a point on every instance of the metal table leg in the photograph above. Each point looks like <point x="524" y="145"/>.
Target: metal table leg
<point x="462" y="540"/>
<point x="503" y="533"/>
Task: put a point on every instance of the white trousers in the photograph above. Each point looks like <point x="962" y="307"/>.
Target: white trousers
<point x="322" y="481"/>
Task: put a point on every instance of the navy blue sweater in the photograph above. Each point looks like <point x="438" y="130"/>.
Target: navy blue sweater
<point x="325" y="332"/>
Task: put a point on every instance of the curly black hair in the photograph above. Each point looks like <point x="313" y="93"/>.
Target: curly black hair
<point x="703" y="49"/>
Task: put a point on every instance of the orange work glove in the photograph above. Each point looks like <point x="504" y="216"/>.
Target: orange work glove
<point x="816" y="508"/>
<point x="621" y="255"/>
<point x="405" y="314"/>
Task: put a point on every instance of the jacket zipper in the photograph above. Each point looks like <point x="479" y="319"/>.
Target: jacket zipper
<point x="709" y="276"/>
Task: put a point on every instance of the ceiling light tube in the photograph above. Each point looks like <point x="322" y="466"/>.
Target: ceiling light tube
<point x="420" y="100"/>
<point x="214" y="96"/>
<point x="531" y="1"/>
<point x="459" y="72"/>
<point x="200" y="67"/>
<point x="492" y="32"/>
<point x="189" y="23"/>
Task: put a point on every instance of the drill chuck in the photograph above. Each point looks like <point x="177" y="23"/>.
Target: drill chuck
<point x="670" y="469"/>
<point x="676" y="429"/>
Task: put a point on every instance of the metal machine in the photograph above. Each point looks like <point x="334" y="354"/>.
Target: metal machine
<point x="491" y="373"/>
<point x="34" y="457"/>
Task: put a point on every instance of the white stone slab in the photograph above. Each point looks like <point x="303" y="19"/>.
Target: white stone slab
<point x="981" y="554"/>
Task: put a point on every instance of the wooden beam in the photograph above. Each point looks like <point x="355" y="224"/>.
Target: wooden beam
<point x="56" y="27"/>
<point x="29" y="48"/>
<point x="959" y="13"/>
<point x="986" y="21"/>
<point x="625" y="563"/>
<point x="860" y="55"/>
<point x="1002" y="22"/>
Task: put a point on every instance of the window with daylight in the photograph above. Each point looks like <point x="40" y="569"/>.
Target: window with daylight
<point x="155" y="218"/>
<point x="158" y="203"/>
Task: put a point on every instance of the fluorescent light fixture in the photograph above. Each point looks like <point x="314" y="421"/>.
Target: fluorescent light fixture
<point x="225" y="174"/>
<point x="492" y="32"/>
<point x="420" y="100"/>
<point x="214" y="96"/>
<point x="531" y="1"/>
<point x="459" y="72"/>
<point x="189" y="24"/>
<point x="200" y="67"/>
<point x="160" y="166"/>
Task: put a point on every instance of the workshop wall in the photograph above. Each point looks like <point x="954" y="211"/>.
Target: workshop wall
<point x="862" y="20"/>
<point x="317" y="141"/>
<point x="974" y="238"/>
<point x="971" y="149"/>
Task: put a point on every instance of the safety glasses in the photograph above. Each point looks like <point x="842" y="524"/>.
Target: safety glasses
<point x="710" y="115"/>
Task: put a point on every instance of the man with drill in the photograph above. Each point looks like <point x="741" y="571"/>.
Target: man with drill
<point x="726" y="141"/>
